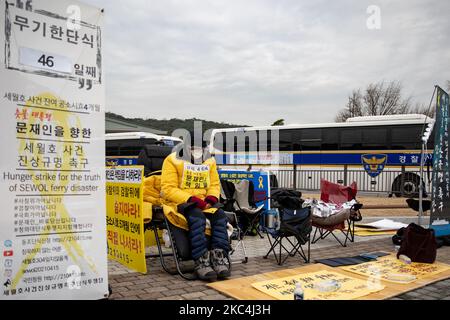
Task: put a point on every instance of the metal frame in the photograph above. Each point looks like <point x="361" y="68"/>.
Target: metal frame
<point x="296" y="248"/>
<point x="252" y="221"/>
<point x="165" y="224"/>
<point x="240" y="242"/>
<point x="349" y="233"/>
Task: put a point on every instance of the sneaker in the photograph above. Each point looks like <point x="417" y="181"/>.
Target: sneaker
<point x="220" y="263"/>
<point x="203" y="268"/>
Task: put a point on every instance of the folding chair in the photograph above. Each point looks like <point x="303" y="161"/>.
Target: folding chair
<point x="179" y="243"/>
<point x="227" y="192"/>
<point x="239" y="198"/>
<point x="294" y="221"/>
<point x="152" y="157"/>
<point x="238" y="237"/>
<point x="344" y="221"/>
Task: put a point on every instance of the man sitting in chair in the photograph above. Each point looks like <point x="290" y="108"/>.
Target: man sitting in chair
<point x="190" y="184"/>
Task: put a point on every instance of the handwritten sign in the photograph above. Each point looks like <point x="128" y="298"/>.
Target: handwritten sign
<point x="350" y="288"/>
<point x="381" y="268"/>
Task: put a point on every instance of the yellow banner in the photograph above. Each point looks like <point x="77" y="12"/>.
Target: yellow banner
<point x="391" y="269"/>
<point x="125" y="222"/>
<point x="350" y="288"/>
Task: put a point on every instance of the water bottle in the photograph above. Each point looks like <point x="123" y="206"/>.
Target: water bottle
<point x="298" y="292"/>
<point x="269" y="219"/>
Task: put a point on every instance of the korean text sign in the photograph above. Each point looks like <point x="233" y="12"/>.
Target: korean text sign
<point x="349" y="287"/>
<point x="260" y="180"/>
<point x="440" y="193"/>
<point x="52" y="185"/>
<point x="125" y="223"/>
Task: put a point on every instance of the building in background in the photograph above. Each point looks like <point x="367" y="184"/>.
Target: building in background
<point x="118" y="126"/>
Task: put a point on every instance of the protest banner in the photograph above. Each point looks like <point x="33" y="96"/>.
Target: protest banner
<point x="260" y="180"/>
<point x="125" y="222"/>
<point x="385" y="267"/>
<point x="440" y="192"/>
<point x="350" y="287"/>
<point x="52" y="226"/>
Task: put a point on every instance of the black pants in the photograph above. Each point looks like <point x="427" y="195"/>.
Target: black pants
<point x="197" y="224"/>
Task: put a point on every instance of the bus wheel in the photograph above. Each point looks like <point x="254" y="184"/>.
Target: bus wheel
<point x="410" y="187"/>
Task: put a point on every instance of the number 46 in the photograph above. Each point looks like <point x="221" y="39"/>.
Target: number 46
<point x="46" y="61"/>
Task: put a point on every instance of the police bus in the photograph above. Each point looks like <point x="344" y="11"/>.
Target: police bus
<point x="124" y="148"/>
<point x="380" y="153"/>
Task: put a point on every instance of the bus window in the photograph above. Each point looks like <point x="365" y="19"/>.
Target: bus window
<point x="296" y="136"/>
<point x="351" y="139"/>
<point x="406" y="137"/>
<point x="330" y="139"/>
<point x="112" y="147"/>
<point x="219" y="142"/>
<point x="285" y="140"/>
<point x="132" y="147"/>
<point x="307" y="139"/>
<point x="374" y="138"/>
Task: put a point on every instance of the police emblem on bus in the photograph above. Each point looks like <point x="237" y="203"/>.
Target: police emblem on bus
<point x="112" y="162"/>
<point x="374" y="163"/>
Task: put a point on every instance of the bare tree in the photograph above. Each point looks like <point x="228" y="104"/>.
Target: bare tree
<point x="448" y="85"/>
<point x="378" y="99"/>
<point x="423" y="109"/>
<point x="353" y="108"/>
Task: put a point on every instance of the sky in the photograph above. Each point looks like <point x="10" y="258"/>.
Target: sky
<point x="255" y="61"/>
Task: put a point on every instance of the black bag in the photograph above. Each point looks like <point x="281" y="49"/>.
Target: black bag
<point x="287" y="198"/>
<point x="418" y="244"/>
<point x="397" y="238"/>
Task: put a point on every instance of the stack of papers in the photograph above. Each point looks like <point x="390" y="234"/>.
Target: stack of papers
<point x="383" y="225"/>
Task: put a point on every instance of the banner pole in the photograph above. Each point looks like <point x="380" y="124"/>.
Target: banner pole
<point x="422" y="154"/>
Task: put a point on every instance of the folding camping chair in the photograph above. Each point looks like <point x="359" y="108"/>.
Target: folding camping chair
<point x="238" y="237"/>
<point x="152" y="157"/>
<point x="239" y="198"/>
<point x="294" y="221"/>
<point x="337" y="194"/>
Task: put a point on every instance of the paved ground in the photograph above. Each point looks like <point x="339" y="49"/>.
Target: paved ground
<point x="157" y="284"/>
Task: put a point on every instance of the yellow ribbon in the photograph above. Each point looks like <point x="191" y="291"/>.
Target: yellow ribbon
<point x="261" y="185"/>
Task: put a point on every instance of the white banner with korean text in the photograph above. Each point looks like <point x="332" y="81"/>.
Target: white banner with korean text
<point x="52" y="174"/>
